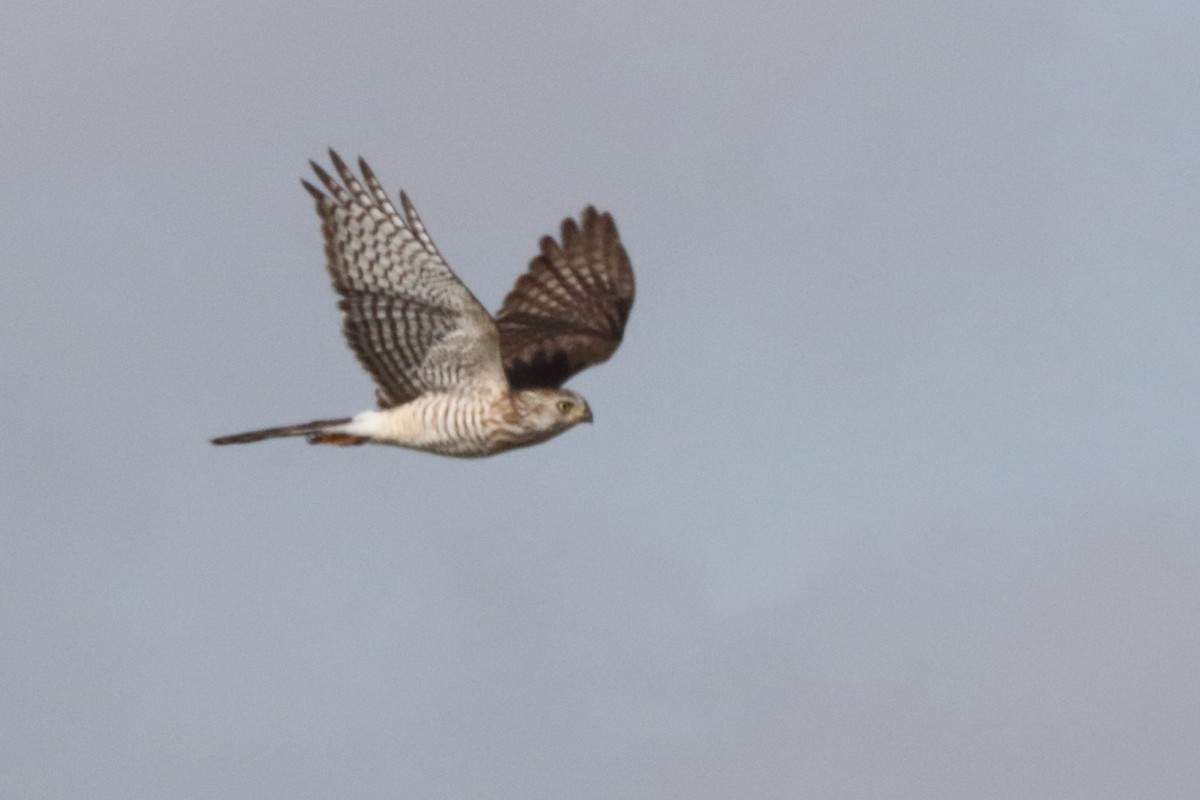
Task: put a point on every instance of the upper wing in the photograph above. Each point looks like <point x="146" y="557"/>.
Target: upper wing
<point x="412" y="323"/>
<point x="568" y="310"/>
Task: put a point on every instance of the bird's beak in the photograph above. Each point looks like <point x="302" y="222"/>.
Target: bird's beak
<point x="585" y="415"/>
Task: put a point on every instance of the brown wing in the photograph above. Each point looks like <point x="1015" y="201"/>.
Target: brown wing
<point x="568" y="311"/>
<point x="412" y="323"/>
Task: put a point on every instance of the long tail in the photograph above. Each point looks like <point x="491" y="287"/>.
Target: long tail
<point x="316" y="431"/>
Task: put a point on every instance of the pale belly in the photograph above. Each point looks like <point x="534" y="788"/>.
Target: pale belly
<point x="451" y="425"/>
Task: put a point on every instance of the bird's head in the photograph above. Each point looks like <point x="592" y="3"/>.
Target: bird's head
<point x="552" y="411"/>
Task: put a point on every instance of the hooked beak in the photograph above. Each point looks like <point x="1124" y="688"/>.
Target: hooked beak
<point x="585" y="415"/>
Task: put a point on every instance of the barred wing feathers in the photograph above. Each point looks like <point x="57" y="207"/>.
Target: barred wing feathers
<point x="414" y="326"/>
<point x="568" y="310"/>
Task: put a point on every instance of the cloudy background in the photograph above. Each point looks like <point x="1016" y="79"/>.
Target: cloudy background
<point x="894" y="487"/>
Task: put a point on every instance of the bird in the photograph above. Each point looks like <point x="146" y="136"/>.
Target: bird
<point x="451" y="378"/>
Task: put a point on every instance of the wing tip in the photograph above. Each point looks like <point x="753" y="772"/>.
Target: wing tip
<point x="336" y="160"/>
<point x="366" y="170"/>
<point x="568" y="231"/>
<point x="317" y="194"/>
<point x="324" y="176"/>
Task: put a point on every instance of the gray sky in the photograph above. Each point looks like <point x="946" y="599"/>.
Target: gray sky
<point x="894" y="486"/>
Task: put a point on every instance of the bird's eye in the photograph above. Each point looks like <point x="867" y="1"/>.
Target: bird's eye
<point x="564" y="406"/>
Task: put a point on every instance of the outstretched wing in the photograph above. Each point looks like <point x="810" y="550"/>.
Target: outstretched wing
<point x="568" y="311"/>
<point x="412" y="323"/>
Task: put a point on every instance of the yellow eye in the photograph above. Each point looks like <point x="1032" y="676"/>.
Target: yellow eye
<point x="564" y="406"/>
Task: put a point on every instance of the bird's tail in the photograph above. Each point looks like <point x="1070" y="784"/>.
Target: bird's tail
<point x="317" y="431"/>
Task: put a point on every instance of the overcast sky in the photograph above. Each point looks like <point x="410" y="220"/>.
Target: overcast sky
<point x="894" y="486"/>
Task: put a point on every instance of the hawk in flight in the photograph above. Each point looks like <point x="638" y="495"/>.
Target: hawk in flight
<point x="452" y="379"/>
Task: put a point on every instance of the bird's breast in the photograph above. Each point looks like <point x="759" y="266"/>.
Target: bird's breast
<point x="446" y="423"/>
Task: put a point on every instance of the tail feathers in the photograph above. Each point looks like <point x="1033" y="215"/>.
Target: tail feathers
<point x="316" y="431"/>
